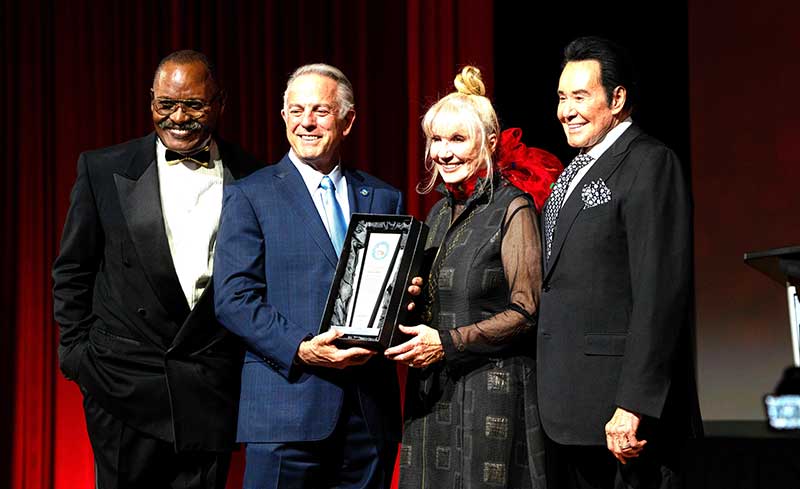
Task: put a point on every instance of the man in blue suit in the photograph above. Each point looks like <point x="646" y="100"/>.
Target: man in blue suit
<point x="312" y="415"/>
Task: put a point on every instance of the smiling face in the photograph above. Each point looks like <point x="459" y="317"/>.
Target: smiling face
<point x="191" y="84"/>
<point x="583" y="108"/>
<point x="454" y="149"/>
<point x="313" y="126"/>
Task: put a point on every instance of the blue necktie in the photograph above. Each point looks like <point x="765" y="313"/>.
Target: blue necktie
<point x="336" y="226"/>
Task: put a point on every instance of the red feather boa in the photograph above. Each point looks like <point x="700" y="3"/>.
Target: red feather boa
<point x="531" y="170"/>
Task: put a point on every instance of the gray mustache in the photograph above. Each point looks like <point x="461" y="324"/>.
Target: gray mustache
<point x="186" y="126"/>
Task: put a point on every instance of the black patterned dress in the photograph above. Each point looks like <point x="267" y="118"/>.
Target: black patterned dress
<point x="471" y="420"/>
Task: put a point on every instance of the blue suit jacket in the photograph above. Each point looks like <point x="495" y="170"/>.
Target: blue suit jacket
<point x="273" y="267"/>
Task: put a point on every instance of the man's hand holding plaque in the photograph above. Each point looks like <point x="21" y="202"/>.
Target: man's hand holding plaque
<point x="320" y="351"/>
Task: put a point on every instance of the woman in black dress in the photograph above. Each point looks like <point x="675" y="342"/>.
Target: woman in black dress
<point x="470" y="412"/>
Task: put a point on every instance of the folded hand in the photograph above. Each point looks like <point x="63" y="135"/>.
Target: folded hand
<point x="621" y="435"/>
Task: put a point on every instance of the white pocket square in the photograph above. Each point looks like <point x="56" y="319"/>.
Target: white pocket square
<point x="595" y="193"/>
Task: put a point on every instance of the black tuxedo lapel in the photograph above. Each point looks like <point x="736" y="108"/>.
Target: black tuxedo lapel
<point x="230" y="170"/>
<point x="196" y="332"/>
<point x="358" y="192"/>
<point x="603" y="168"/>
<point x="294" y="190"/>
<point x="140" y="200"/>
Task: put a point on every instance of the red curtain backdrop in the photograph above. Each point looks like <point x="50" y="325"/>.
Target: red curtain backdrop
<point x="76" y="77"/>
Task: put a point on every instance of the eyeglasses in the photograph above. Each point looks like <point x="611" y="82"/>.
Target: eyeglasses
<point x="191" y="107"/>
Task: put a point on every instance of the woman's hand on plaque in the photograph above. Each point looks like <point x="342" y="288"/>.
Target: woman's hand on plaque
<point x="415" y="289"/>
<point x="423" y="349"/>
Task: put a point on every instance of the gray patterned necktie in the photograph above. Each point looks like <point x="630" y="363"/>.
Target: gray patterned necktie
<point x="557" y="198"/>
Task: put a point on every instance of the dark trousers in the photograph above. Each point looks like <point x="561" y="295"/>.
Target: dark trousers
<point x="594" y="467"/>
<point x="350" y="458"/>
<point x="127" y="458"/>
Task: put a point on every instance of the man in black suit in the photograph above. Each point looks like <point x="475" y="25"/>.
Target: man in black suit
<point x="133" y="294"/>
<point x="615" y="364"/>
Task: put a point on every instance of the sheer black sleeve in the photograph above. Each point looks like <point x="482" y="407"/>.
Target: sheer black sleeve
<point x="521" y="257"/>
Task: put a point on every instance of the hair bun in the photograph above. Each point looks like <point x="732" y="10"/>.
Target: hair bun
<point x="469" y="81"/>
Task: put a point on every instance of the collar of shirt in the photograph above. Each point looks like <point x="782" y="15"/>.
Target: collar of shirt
<point x="312" y="179"/>
<point x="610" y="138"/>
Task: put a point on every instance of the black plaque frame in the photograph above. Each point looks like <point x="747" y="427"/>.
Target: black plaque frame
<point x="391" y="308"/>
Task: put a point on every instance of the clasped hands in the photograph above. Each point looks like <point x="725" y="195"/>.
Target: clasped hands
<point x="320" y="351"/>
<point x="621" y="435"/>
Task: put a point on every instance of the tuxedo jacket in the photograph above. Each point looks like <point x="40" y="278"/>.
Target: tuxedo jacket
<point x="616" y="313"/>
<point x="128" y="337"/>
<point x="272" y="272"/>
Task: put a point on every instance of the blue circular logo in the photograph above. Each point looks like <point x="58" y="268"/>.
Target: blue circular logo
<point x="380" y="251"/>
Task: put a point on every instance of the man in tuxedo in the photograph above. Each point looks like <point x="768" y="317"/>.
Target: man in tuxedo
<point x="133" y="294"/>
<point x="312" y="415"/>
<point x="615" y="360"/>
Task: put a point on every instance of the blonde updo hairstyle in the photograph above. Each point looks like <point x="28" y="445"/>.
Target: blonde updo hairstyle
<point x="474" y="109"/>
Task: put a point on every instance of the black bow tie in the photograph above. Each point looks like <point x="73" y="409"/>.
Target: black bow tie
<point x="200" y="157"/>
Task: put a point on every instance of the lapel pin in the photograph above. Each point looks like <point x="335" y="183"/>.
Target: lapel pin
<point x="364" y="192"/>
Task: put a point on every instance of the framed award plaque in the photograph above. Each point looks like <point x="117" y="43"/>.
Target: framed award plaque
<point x="368" y="296"/>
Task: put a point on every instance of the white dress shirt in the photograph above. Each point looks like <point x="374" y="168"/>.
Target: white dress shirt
<point x="596" y="152"/>
<point x="312" y="179"/>
<point x="191" y="202"/>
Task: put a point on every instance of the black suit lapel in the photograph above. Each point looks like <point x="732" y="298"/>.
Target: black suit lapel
<point x="293" y="189"/>
<point x="140" y="201"/>
<point x="603" y="168"/>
